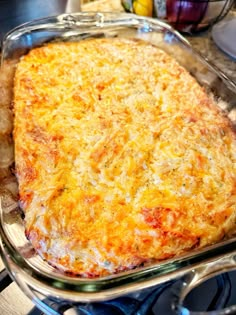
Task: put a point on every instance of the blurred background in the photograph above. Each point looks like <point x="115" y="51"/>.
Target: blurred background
<point x="15" y="12"/>
<point x="187" y="16"/>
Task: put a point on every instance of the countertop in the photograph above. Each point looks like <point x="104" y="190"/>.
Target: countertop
<point x="12" y="300"/>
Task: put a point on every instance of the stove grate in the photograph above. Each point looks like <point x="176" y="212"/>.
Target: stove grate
<point x="141" y="303"/>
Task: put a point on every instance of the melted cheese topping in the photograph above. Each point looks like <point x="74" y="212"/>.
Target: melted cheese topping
<point x="121" y="157"/>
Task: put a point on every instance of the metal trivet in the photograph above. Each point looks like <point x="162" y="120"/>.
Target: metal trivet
<point x="142" y="303"/>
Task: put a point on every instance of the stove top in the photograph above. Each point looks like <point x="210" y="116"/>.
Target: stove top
<point x="214" y="294"/>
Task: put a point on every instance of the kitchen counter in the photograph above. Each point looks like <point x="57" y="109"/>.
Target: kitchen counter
<point x="12" y="300"/>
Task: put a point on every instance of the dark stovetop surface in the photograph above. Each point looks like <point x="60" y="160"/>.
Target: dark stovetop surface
<point x="16" y="12"/>
<point x="214" y="294"/>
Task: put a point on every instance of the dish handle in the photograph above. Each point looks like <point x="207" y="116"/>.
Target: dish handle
<point x="199" y="275"/>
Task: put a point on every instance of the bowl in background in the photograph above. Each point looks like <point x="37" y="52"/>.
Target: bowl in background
<point x="188" y="16"/>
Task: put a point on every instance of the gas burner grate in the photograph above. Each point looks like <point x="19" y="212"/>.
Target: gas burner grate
<point x="144" y="302"/>
<point x="5" y="280"/>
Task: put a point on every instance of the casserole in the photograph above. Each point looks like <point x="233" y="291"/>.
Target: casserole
<point x="103" y="150"/>
<point x="27" y="269"/>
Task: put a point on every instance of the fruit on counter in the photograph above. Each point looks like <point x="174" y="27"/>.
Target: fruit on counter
<point x="175" y="11"/>
<point x="143" y="7"/>
<point x="127" y="5"/>
<point x="185" y="13"/>
<point x="139" y="7"/>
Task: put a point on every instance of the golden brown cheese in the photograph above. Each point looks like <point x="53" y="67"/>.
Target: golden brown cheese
<point x="121" y="157"/>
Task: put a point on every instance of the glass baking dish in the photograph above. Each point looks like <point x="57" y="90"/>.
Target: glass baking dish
<point x="35" y="277"/>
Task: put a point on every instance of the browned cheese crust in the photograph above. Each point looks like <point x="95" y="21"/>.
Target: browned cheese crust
<point x="121" y="157"/>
